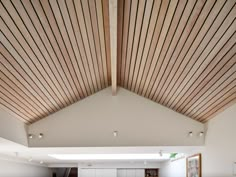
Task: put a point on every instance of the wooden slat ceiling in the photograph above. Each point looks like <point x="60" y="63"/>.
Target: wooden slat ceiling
<point x="53" y="53"/>
<point x="179" y="53"/>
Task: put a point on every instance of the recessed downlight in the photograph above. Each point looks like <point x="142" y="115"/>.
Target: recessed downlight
<point x="40" y="136"/>
<point x="115" y="133"/>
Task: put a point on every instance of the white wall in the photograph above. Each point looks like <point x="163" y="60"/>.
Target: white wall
<point x="219" y="153"/>
<point x="91" y="122"/>
<point x="12" y="129"/>
<point x="15" y="169"/>
<point x="173" y="169"/>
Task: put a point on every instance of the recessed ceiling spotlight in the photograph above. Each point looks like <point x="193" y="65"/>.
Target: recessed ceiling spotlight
<point x="41" y="162"/>
<point x="190" y="134"/>
<point x="30" y="136"/>
<point x="201" y="134"/>
<point x="115" y="133"/>
<point x="30" y="159"/>
<point x="40" y="135"/>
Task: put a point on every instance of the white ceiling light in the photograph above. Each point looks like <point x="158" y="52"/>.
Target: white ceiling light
<point x="30" y="136"/>
<point x="110" y="156"/>
<point x="40" y="135"/>
<point x="201" y="134"/>
<point x="115" y="133"/>
<point x="190" y="134"/>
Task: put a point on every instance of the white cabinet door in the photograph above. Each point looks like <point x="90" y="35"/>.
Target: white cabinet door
<point x="139" y="173"/>
<point x="121" y="172"/>
<point x="88" y="173"/>
<point x="106" y="173"/>
<point x="130" y="173"/>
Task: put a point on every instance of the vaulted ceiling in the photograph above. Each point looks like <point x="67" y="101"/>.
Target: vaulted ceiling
<point x="53" y="53"/>
<point x="180" y="54"/>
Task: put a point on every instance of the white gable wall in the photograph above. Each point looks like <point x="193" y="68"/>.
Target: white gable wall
<point x="139" y="121"/>
<point x="12" y="129"/>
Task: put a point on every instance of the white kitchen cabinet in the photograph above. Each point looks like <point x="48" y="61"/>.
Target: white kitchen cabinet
<point x="106" y="173"/>
<point x="139" y="172"/>
<point x="98" y="173"/>
<point x="121" y="172"/>
<point x="88" y="173"/>
<point x="130" y="173"/>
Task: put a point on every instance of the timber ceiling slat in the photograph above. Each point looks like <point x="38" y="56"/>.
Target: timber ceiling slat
<point x="18" y="72"/>
<point x="13" y="91"/>
<point x="218" y="94"/>
<point x="227" y="77"/>
<point x="120" y="16"/>
<point x="73" y="47"/>
<point x="18" y="101"/>
<point x="198" y="66"/>
<point x="42" y="58"/>
<point x="89" y="28"/>
<point x="136" y="40"/>
<point x="20" y="55"/>
<point x="206" y="65"/>
<point x="170" y="80"/>
<point x="169" y="37"/>
<point x="50" y="25"/>
<point x="172" y="48"/>
<point x="54" y="62"/>
<point x="214" y="27"/>
<point x="37" y="33"/>
<point x="228" y="98"/>
<point x="53" y="53"/>
<point x="204" y="84"/>
<point x="156" y="60"/>
<point x="155" y="39"/>
<point x="15" y="104"/>
<point x="74" y="68"/>
<point x="80" y="46"/>
<point x="4" y="105"/>
<point x="105" y="7"/>
<point x="85" y="39"/>
<point x="191" y="50"/>
<point x="130" y="40"/>
<point x="96" y="36"/>
<point x="125" y="31"/>
<point x="100" y="29"/>
<point x="178" y="53"/>
<point x="184" y="65"/>
<point x="219" y="108"/>
<point x="185" y="60"/>
<point x="143" y="37"/>
<point x="8" y="78"/>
